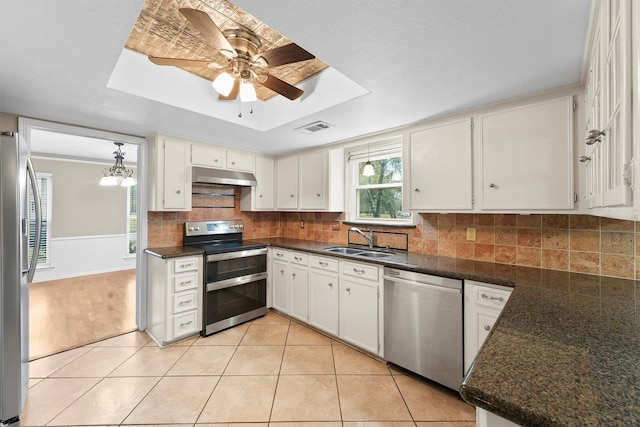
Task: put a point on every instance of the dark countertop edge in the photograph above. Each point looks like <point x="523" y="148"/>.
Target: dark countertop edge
<point x="167" y="252"/>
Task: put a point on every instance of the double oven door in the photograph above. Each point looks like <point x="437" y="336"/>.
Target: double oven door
<point x="236" y="288"/>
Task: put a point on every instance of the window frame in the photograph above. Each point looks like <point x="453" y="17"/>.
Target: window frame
<point x="388" y="148"/>
<point x="46" y="201"/>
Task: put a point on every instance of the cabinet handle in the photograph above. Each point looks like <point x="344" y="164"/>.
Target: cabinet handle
<point x="215" y="160"/>
<point x="492" y="185"/>
<point x="323" y="264"/>
<point x="260" y="196"/>
<point x="281" y="271"/>
<point x="594" y="136"/>
<point x="348" y="291"/>
<point x="417" y="190"/>
<point x="584" y="159"/>
<point x="184" y="283"/>
<point x="297" y="258"/>
<point x="317" y="194"/>
<point x="185" y="302"/>
<point x="291" y="195"/>
<point x="487" y="297"/>
<point x="279" y="255"/>
<point x="293" y="275"/>
<point x="331" y="285"/>
<point x="177" y="191"/>
<point x="487" y="327"/>
<point x="183" y="324"/>
<point x="358" y="270"/>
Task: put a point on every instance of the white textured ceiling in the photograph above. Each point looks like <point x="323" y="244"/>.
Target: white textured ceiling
<point x="417" y="58"/>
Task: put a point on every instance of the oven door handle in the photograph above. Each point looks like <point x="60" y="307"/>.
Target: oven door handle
<point x="242" y="280"/>
<point x="236" y="254"/>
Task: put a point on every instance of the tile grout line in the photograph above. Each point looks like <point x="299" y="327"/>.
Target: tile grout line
<point x="275" y="390"/>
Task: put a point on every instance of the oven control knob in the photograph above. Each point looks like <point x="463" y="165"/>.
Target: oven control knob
<point x="190" y="228"/>
<point x="197" y="228"/>
<point x="240" y="226"/>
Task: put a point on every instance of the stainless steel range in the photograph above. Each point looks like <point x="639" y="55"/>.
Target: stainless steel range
<point x="235" y="274"/>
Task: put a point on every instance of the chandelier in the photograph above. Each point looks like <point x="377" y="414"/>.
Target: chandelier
<point x="118" y="174"/>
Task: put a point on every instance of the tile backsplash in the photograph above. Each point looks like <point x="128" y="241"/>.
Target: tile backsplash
<point x="577" y="243"/>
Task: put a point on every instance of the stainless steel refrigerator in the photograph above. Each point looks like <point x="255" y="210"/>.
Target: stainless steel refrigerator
<point x="16" y="270"/>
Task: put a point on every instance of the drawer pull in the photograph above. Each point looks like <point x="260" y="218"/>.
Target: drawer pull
<point x="323" y="264"/>
<point x="297" y="258"/>
<point x="183" y="324"/>
<point x="487" y="297"/>
<point x="189" y="301"/>
<point x="348" y="291"/>
<point x="293" y="275"/>
<point x="279" y="255"/>
<point x="331" y="285"/>
<point x="281" y="271"/>
<point x="184" y="283"/>
<point x="358" y="270"/>
<point x="487" y="327"/>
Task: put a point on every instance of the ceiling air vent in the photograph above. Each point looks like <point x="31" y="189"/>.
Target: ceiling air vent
<point x="314" y="127"/>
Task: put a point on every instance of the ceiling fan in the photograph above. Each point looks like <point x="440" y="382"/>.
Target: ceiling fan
<point x="246" y="63"/>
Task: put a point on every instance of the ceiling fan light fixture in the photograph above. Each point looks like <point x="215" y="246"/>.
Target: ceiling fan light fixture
<point x="223" y="83"/>
<point x="247" y="92"/>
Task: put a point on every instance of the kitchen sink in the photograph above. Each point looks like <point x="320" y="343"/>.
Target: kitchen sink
<point x="343" y="250"/>
<point x="357" y="252"/>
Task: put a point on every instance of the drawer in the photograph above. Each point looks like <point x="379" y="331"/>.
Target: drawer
<point x="280" y="254"/>
<point x="184" y="281"/>
<point x="490" y="297"/>
<point x="185" y="264"/>
<point x="299" y="258"/>
<point x="185" y="324"/>
<point x="328" y="264"/>
<point x="185" y="301"/>
<point x="364" y="271"/>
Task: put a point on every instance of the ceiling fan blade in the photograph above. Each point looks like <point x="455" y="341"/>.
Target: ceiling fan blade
<point x="282" y="55"/>
<point x="209" y="30"/>
<point x="280" y="86"/>
<point x="234" y="92"/>
<point x="195" y="63"/>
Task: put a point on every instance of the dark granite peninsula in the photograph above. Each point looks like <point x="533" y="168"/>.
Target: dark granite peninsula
<point x="564" y="352"/>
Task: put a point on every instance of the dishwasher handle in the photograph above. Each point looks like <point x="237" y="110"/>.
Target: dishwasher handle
<point x="422" y="285"/>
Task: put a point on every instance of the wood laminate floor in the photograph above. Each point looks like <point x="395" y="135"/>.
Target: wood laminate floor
<point x="69" y="313"/>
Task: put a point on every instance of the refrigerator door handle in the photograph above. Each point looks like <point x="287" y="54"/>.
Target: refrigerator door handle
<point x="38" y="220"/>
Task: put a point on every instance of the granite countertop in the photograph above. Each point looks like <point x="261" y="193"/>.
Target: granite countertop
<point x="564" y="352"/>
<point x="174" y="251"/>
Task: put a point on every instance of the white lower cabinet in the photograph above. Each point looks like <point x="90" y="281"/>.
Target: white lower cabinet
<point x="360" y="305"/>
<point x="299" y="286"/>
<point x="483" y="303"/>
<point x="324" y="294"/>
<point x="281" y="280"/>
<point x="173" y="298"/>
<point x="485" y="418"/>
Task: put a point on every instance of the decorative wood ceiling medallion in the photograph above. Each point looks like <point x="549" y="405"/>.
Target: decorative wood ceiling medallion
<point x="162" y="31"/>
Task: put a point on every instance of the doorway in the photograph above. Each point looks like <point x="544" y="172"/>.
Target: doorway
<point x="87" y="285"/>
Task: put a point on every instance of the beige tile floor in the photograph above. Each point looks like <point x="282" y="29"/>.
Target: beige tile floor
<point x="269" y="372"/>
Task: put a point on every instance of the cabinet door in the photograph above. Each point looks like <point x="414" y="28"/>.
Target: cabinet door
<point x="287" y="184"/>
<point x="593" y="101"/>
<point x="202" y="155"/>
<point x="441" y="171"/>
<point x="617" y="109"/>
<point x="177" y="176"/>
<point x="527" y="156"/>
<point x="264" y="189"/>
<point x="323" y="300"/>
<point x="313" y="181"/>
<point x="282" y="286"/>
<point x="239" y="161"/>
<point x="359" y="313"/>
<point x="299" y="293"/>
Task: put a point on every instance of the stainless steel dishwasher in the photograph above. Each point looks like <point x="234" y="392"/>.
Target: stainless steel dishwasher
<point x="423" y="325"/>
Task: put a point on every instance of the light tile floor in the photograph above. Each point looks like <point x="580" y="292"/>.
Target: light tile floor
<point x="269" y="372"/>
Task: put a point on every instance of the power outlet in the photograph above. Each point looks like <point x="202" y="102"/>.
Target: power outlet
<point x="471" y="234"/>
<point x="335" y="225"/>
<point x="302" y="223"/>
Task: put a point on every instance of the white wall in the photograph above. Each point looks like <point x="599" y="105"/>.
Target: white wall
<point x="80" y="256"/>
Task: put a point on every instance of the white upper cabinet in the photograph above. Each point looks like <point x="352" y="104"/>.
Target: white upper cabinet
<point x="287" y="182"/>
<point x="169" y="174"/>
<point x="239" y="161"/>
<point x="312" y="181"/>
<point x="441" y="167"/>
<point x="526" y="156"/>
<point x="260" y="197"/>
<point x="208" y="155"/>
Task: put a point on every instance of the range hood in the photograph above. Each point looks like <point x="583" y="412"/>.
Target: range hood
<point x="223" y="177"/>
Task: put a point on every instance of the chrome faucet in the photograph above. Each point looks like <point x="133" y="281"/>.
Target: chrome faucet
<point x="368" y="238"/>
